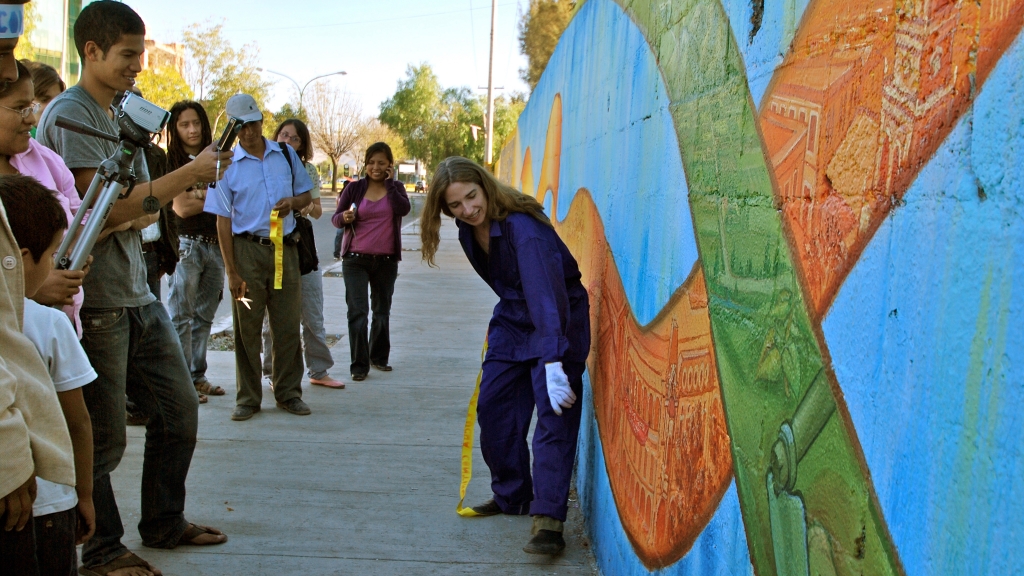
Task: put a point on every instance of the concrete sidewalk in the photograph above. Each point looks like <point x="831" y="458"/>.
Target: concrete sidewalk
<point x="367" y="484"/>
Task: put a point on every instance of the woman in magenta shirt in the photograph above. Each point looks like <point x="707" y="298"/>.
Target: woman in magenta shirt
<point x="370" y="211"/>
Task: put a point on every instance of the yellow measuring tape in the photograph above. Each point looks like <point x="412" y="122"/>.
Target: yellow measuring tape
<point x="277" y="237"/>
<point x="467" y="442"/>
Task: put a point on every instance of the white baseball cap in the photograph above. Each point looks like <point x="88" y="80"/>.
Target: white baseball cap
<point x="243" y="107"/>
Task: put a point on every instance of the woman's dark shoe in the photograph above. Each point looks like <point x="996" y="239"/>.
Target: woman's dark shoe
<point x="546" y="542"/>
<point x="359" y="377"/>
<point x="489" y="508"/>
<point x="383" y="367"/>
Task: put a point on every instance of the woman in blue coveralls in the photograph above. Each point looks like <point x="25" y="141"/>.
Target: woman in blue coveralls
<point x="538" y="341"/>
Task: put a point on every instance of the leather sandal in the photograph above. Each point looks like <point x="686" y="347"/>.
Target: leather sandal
<point x="205" y="387"/>
<point x="194" y="531"/>
<point x="129" y="561"/>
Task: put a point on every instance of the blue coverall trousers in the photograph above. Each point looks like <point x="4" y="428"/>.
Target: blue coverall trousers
<point x="509" y="392"/>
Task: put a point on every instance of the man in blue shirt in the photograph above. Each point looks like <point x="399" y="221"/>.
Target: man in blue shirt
<point x="262" y="180"/>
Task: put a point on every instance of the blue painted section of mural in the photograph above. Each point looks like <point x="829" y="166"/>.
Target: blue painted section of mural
<point x="720" y="550"/>
<point x="928" y="331"/>
<point x="623" y="150"/>
<point x="763" y="52"/>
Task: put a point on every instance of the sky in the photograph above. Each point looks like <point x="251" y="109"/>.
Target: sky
<point x="374" y="42"/>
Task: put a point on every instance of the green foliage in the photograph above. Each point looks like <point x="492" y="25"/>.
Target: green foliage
<point x="434" y="122"/>
<point x="539" y="30"/>
<point x="216" y="71"/>
<point x="25" y="50"/>
<point x="163" y="86"/>
<point x="287" y="112"/>
<point x="506" y="118"/>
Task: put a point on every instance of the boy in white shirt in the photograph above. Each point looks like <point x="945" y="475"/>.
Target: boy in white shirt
<point x="63" y="515"/>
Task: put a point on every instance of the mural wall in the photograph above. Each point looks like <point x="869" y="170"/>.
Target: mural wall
<point x="801" y="223"/>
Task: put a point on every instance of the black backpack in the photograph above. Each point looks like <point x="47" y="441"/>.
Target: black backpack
<point x="308" y="261"/>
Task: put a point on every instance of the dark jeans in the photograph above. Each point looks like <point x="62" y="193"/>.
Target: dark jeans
<point x="337" y="242"/>
<point x="45" y="547"/>
<point x="55" y="543"/>
<point x="378" y="273"/>
<point x="18" y="551"/>
<point x="136" y="352"/>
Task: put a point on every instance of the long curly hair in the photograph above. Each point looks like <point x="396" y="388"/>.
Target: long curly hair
<point x="176" y="155"/>
<point x="502" y="200"/>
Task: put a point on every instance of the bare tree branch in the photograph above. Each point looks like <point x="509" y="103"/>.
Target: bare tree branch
<point x="335" y="122"/>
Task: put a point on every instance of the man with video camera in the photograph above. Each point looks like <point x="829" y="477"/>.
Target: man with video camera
<point x="126" y="330"/>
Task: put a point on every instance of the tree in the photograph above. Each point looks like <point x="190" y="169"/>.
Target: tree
<point x="433" y="122"/>
<point x="335" y="123"/>
<point x="412" y="111"/>
<point x="163" y="86"/>
<point x="25" y="50"/>
<point x="373" y="131"/>
<point x="216" y="71"/>
<point x="539" y="30"/>
<point x="287" y="112"/>
<point x="506" y="117"/>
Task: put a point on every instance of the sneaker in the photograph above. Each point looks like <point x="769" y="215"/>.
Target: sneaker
<point x="244" y="412"/>
<point x="489" y="508"/>
<point x="328" y="382"/>
<point x="547" y="542"/>
<point x="295" y="406"/>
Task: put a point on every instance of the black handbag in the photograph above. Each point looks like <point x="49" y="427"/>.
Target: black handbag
<point x="308" y="261"/>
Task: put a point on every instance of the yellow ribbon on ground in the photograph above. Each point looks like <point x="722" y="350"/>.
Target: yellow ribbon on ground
<point x="467" y="442"/>
<point x="277" y="237"/>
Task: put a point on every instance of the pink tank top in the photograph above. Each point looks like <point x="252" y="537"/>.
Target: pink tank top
<point x="374" y="228"/>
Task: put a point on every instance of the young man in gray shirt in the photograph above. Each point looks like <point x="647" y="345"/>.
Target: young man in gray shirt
<point x="126" y="330"/>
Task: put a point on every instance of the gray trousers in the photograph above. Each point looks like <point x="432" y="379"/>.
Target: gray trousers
<point x="314" y="336"/>
<point x="255" y="264"/>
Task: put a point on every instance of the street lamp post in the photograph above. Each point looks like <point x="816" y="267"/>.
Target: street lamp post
<point x="302" y="89"/>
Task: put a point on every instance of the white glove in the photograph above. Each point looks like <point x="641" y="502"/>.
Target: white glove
<point x="559" y="392"/>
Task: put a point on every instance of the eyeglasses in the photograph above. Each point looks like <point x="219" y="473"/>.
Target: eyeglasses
<point x="291" y="139"/>
<point x="25" y="112"/>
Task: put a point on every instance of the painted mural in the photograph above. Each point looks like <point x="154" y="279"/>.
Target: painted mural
<point x="800" y="225"/>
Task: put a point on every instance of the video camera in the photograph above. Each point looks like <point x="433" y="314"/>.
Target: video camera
<point x="138" y="120"/>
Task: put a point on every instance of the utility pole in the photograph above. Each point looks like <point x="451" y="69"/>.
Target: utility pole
<point x="489" y="150"/>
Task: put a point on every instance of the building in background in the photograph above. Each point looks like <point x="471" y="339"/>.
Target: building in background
<point x="159" y="55"/>
<point x="50" y="38"/>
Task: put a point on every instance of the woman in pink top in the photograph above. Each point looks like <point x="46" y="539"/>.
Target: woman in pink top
<point x="20" y="154"/>
<point x="371" y="211"/>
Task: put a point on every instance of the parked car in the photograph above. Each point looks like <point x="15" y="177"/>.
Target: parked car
<point x="421" y="186"/>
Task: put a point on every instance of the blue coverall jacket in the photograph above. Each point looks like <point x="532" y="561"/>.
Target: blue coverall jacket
<point x="544" y="311"/>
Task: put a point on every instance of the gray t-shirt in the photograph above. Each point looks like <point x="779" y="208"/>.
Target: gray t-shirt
<point x="118" y="275"/>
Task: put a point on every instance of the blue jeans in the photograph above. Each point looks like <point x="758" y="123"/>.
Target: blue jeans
<point x="314" y="337"/>
<point x="196" y="289"/>
<point x="135" y="352"/>
<point x="377" y="274"/>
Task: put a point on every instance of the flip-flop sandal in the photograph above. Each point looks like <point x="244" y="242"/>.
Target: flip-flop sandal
<point x="209" y="389"/>
<point x="194" y="531"/>
<point x="129" y="561"/>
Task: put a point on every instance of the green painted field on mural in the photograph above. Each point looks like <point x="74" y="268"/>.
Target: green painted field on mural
<point x="767" y="352"/>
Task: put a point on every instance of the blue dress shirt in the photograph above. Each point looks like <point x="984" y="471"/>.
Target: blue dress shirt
<point x="252" y="186"/>
<point x="544" y="310"/>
